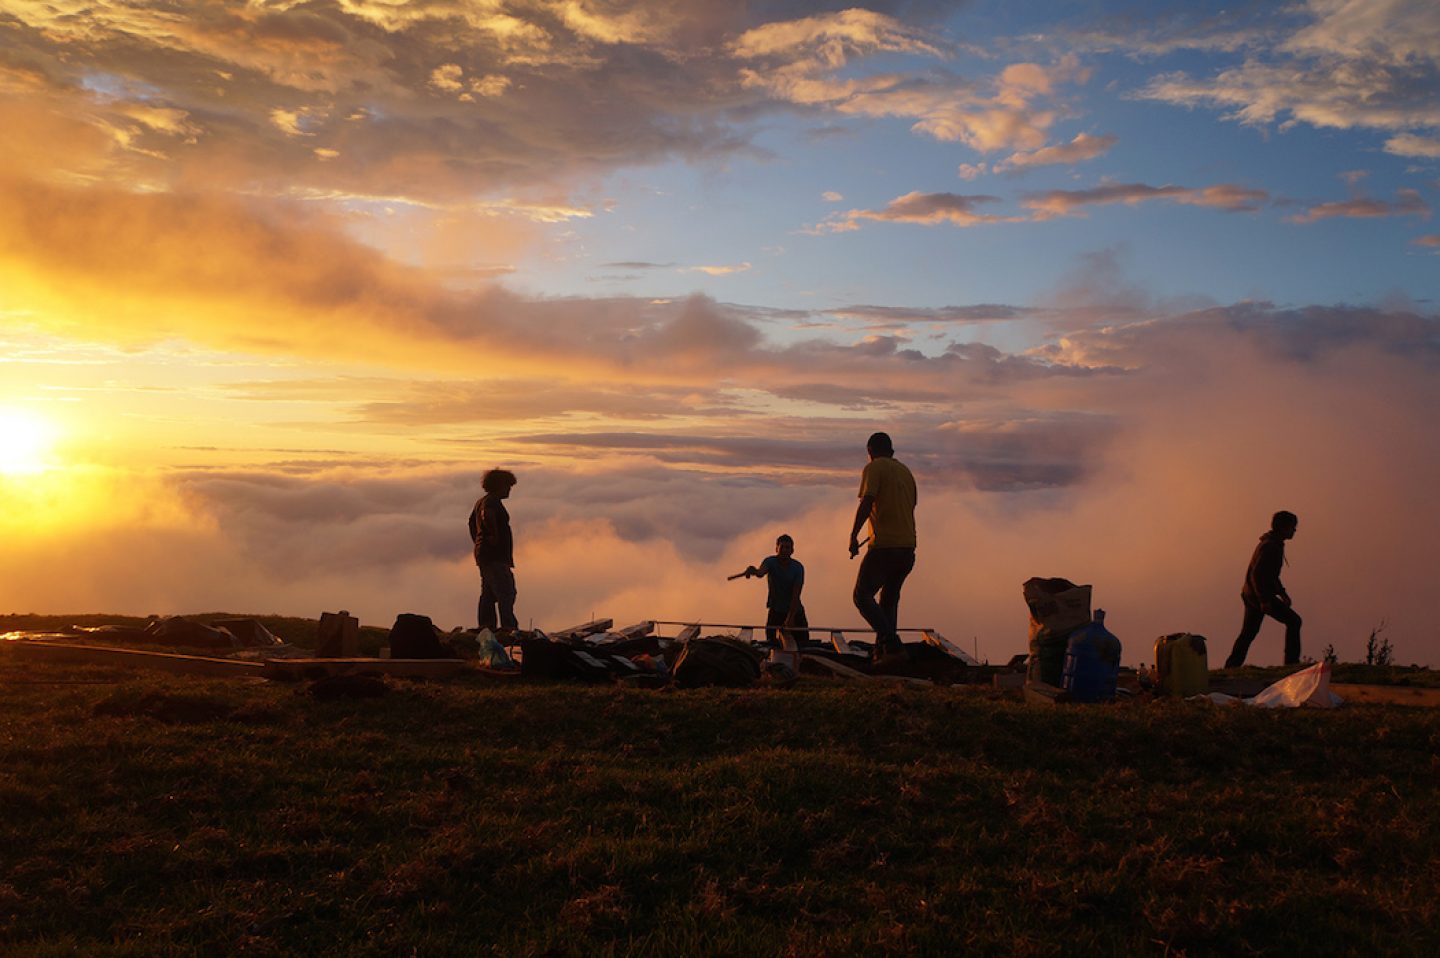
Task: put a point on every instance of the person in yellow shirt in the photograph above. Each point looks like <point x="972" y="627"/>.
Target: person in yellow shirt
<point x="887" y="502"/>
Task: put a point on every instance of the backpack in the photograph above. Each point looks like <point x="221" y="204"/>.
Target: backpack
<point x="414" y="637"/>
<point x="717" y="660"/>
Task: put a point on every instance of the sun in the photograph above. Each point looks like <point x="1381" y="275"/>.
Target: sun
<point x="25" y="441"/>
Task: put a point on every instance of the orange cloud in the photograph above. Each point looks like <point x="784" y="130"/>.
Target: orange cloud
<point x="1227" y="196"/>
<point x="1083" y="147"/>
<point x="1408" y="202"/>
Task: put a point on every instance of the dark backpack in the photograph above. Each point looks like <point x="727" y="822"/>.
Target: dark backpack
<point x="414" y="637"/>
<point x="717" y="660"/>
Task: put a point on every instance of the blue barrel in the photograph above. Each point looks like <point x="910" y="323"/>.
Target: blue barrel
<point x="1092" y="662"/>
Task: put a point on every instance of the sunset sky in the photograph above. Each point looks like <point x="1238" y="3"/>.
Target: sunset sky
<point x="279" y="280"/>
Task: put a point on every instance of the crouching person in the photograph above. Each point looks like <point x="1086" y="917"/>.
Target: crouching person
<point x="495" y="553"/>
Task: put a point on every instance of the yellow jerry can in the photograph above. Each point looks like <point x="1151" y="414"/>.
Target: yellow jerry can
<point x="1181" y="665"/>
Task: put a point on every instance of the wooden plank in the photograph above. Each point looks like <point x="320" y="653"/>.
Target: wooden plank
<point x="846" y="672"/>
<point x="688" y="633"/>
<point x="837" y="639"/>
<point x="1387" y="694"/>
<point x="938" y="640"/>
<point x="134" y="659"/>
<point x="638" y="630"/>
<point x="746" y="635"/>
<point x="589" y="628"/>
<point x="416" y="668"/>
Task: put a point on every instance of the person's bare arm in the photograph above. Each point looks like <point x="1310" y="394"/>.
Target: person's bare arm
<point x="862" y="514"/>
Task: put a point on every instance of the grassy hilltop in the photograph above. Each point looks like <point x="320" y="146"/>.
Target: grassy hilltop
<point x="147" y="815"/>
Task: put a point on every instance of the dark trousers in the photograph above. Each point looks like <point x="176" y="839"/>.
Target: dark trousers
<point x="1255" y="612"/>
<point x="799" y="632"/>
<point x="883" y="571"/>
<point x="497" y="594"/>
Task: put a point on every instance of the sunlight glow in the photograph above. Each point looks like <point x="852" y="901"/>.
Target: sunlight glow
<point x="25" y="441"/>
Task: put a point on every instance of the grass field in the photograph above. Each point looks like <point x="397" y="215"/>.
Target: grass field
<point x="148" y="815"/>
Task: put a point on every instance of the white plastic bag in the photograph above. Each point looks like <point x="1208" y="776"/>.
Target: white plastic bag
<point x="1308" y="688"/>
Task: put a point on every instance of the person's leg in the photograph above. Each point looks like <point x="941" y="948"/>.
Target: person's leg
<point x="898" y="565"/>
<point x="800" y="630"/>
<point x="868" y="582"/>
<point x="1291" y="620"/>
<point x="1250" y="628"/>
<point x="505" y="593"/>
<point x="773" y="618"/>
<point x="485" y="608"/>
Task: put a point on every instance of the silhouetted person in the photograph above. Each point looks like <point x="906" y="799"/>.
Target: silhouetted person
<point x="495" y="552"/>
<point x="785" y="577"/>
<point x="1264" y="594"/>
<point x="887" y="501"/>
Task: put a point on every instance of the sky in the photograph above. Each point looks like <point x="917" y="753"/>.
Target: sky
<point x="280" y="280"/>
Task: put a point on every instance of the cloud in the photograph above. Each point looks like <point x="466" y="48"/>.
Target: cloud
<point x="1224" y="415"/>
<point x="1431" y="240"/>
<point x="830" y="196"/>
<point x="433" y="101"/>
<point x="885" y="317"/>
<point x="499" y="406"/>
<point x="831" y="39"/>
<point x="1226" y="196"/>
<point x="636" y="264"/>
<point x="1349" y="65"/>
<point x="928" y="209"/>
<point x="1083" y="147"/>
<point x="1408" y="144"/>
<point x="1408" y="202"/>
<point x="803" y="61"/>
<point x="972" y="171"/>
<point x="1159" y="32"/>
<point x="719" y="270"/>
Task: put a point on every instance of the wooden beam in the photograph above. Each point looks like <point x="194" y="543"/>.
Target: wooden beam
<point x="846" y="672"/>
<point x="578" y="631"/>
<point x="638" y="630"/>
<point x="939" y="641"/>
<point x="131" y="658"/>
<point x="688" y="633"/>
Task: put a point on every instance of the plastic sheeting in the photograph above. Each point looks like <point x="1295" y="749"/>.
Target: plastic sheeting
<point x="1308" y="688"/>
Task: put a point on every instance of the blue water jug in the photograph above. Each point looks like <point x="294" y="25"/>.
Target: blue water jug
<point x="1092" y="662"/>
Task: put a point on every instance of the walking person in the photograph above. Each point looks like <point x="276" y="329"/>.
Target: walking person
<point x="495" y="553"/>
<point x="887" y="502"/>
<point x="1264" y="594"/>
<point x="785" y="577"/>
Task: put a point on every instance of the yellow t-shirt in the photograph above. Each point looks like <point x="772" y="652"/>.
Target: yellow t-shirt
<point x="892" y="517"/>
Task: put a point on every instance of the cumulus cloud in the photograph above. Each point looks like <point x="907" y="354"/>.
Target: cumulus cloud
<point x="430" y="100"/>
<point x="1226" y="196"/>
<point x="1431" y="240"/>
